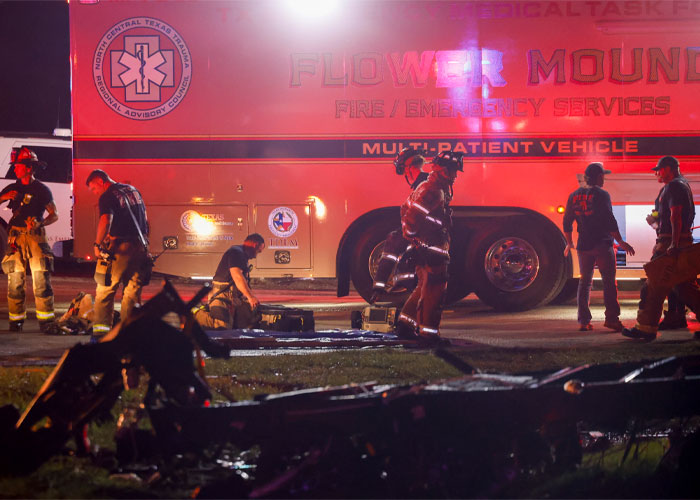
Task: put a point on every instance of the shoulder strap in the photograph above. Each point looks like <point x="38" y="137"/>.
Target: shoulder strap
<point x="142" y="238"/>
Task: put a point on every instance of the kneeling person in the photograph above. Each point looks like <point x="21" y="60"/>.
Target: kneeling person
<point x="231" y="302"/>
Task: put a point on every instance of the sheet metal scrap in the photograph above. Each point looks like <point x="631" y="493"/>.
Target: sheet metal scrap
<point x="481" y="428"/>
<point x="605" y="394"/>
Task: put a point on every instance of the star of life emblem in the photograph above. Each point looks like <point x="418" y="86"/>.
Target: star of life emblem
<point x="282" y="222"/>
<point x="142" y="68"/>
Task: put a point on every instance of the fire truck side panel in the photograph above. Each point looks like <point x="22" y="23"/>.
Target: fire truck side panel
<point x="260" y="116"/>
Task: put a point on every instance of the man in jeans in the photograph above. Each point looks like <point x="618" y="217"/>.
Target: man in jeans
<point x="591" y="208"/>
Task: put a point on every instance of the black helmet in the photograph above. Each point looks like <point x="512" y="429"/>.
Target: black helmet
<point x="450" y="160"/>
<point x="404" y="155"/>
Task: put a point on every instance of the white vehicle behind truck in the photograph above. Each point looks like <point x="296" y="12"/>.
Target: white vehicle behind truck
<point x="58" y="176"/>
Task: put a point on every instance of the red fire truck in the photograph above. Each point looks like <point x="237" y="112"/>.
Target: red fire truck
<point x="282" y="118"/>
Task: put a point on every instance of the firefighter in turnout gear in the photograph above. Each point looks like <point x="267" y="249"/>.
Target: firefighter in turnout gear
<point x="409" y="163"/>
<point x="29" y="200"/>
<point x="232" y="303"/>
<point x="121" y="248"/>
<point x="426" y="222"/>
<point x="674" y="263"/>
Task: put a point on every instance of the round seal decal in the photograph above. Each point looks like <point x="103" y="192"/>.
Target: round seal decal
<point x="282" y="222"/>
<point x="142" y="68"/>
<point x="188" y="220"/>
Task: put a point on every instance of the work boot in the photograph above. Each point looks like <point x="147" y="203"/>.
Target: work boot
<point x="636" y="334"/>
<point x="585" y="327"/>
<point x="614" y="324"/>
<point x="50" y="328"/>
<point x="673" y="320"/>
<point x="16" y="326"/>
<point x="405" y="331"/>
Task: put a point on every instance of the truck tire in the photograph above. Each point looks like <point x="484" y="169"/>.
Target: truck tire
<point x="518" y="267"/>
<point x="568" y="292"/>
<point x="365" y="256"/>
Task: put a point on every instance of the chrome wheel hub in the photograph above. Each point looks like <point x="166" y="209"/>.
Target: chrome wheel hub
<point x="511" y="264"/>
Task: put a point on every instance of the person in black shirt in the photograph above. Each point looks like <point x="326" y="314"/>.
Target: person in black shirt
<point x="27" y="243"/>
<point x="232" y="303"/>
<point x="591" y="208"/>
<point x="121" y="234"/>
<point x="674" y="221"/>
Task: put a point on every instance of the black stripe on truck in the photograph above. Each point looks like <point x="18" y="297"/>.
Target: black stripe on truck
<point x="367" y="148"/>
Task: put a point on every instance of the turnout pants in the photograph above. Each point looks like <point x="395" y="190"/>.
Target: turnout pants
<point x="663" y="274"/>
<point x="423" y="309"/>
<point x="130" y="267"/>
<point x="226" y="310"/>
<point x="394" y="246"/>
<point x="29" y="247"/>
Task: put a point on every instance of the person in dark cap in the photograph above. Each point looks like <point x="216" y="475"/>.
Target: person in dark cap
<point x="591" y="208"/>
<point x="29" y="201"/>
<point x="674" y="213"/>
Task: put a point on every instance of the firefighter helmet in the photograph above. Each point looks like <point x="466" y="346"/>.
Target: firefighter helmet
<point x="26" y="156"/>
<point x="406" y="155"/>
<point x="449" y="160"/>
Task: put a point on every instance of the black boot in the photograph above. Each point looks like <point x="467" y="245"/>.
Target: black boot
<point x="16" y="326"/>
<point x="406" y="331"/>
<point x="673" y="320"/>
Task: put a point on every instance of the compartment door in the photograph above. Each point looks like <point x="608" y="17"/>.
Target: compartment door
<point x="287" y="233"/>
<point x="203" y="232"/>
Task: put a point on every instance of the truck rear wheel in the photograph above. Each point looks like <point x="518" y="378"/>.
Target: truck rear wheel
<point x="518" y="267"/>
<point x="365" y="257"/>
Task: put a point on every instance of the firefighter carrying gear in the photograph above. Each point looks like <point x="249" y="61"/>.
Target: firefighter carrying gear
<point x="426" y="222"/>
<point x="28" y="246"/>
<point x="395" y="268"/>
<point x="663" y="273"/>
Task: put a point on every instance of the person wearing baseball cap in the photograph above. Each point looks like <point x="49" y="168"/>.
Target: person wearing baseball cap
<point x="591" y="208"/>
<point x="29" y="201"/>
<point x="673" y="218"/>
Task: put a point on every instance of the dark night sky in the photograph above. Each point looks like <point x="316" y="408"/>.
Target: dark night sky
<point x="35" y="74"/>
